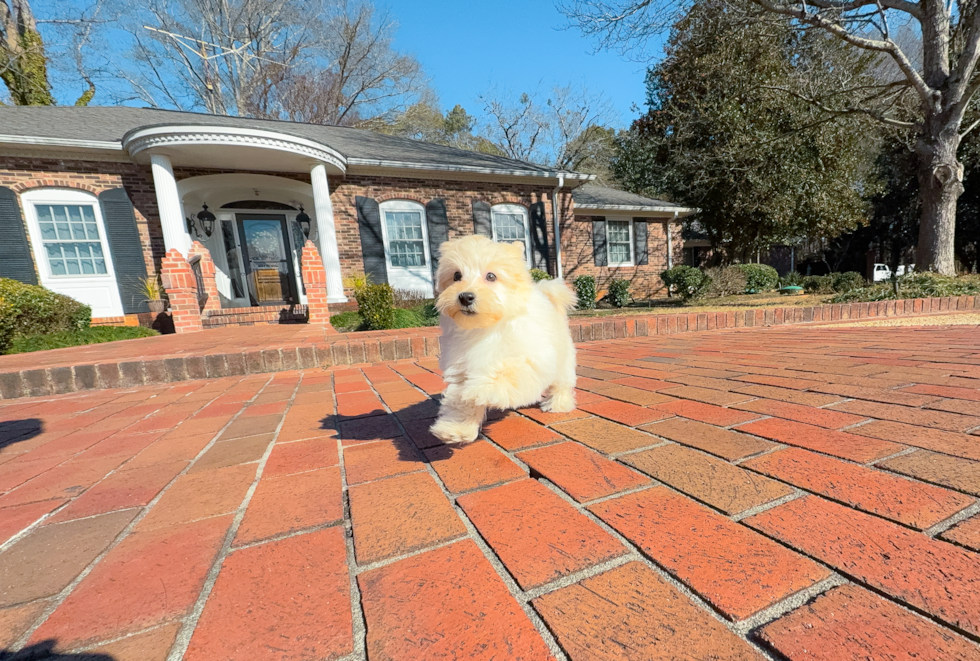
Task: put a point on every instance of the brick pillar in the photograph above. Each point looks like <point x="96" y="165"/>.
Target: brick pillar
<point x="207" y="271"/>
<point x="178" y="282"/>
<point x="315" y="281"/>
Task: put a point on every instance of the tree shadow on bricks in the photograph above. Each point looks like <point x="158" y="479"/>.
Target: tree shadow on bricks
<point x="15" y="431"/>
<point x="46" y="650"/>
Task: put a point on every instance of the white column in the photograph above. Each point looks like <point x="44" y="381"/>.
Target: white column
<point x="327" y="234"/>
<point x="168" y="204"/>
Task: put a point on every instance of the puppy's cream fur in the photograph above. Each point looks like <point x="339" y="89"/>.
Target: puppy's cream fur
<point x="510" y="347"/>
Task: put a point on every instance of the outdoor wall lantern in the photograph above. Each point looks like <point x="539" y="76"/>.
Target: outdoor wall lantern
<point x="207" y="220"/>
<point x="304" y="221"/>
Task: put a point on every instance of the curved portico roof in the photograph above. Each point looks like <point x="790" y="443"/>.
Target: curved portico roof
<point x="113" y="128"/>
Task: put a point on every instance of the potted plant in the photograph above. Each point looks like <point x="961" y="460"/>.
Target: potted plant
<point x="151" y="290"/>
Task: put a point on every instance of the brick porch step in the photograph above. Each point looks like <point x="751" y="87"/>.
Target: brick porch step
<point x="274" y="314"/>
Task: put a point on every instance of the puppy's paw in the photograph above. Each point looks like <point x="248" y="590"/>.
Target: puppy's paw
<point x="450" y="431"/>
<point x="559" y="401"/>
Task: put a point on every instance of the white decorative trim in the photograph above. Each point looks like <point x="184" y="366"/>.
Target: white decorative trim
<point x="650" y="210"/>
<point x="167" y="136"/>
<point x="436" y="167"/>
<point x="58" y="142"/>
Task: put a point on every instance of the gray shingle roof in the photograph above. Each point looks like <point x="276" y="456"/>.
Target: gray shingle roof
<point x="109" y="124"/>
<point x="600" y="197"/>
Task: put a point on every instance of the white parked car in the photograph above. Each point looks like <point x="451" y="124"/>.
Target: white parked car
<point x="883" y="272"/>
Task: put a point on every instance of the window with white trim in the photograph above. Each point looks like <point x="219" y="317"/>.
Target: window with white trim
<point x="510" y="225"/>
<point x="619" y="242"/>
<point x="404" y="233"/>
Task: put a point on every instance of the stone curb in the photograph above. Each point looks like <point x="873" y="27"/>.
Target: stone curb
<point x="61" y="380"/>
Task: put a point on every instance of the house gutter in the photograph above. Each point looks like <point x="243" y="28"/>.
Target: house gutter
<point x="557" y="215"/>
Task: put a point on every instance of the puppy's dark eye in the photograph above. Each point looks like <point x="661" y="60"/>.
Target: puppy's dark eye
<point x="457" y="276"/>
<point x="491" y="277"/>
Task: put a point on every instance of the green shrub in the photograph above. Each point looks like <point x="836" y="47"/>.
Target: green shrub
<point x="619" y="292"/>
<point x="818" y="284"/>
<point x="585" y="290"/>
<point x="539" y="275"/>
<point x="726" y="281"/>
<point x="7" y="320"/>
<point x="32" y="310"/>
<point x="759" y="277"/>
<point x="791" y="279"/>
<point x="845" y="282"/>
<point x="376" y="303"/>
<point x="76" y="338"/>
<point x="422" y="315"/>
<point x="691" y="283"/>
<point x="922" y="284"/>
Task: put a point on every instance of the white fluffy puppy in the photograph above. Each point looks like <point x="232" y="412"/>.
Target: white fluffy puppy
<point x="505" y="339"/>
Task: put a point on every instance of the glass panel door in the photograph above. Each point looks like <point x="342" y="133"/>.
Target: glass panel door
<point x="268" y="262"/>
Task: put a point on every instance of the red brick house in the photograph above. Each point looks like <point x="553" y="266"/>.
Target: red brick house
<point x="91" y="199"/>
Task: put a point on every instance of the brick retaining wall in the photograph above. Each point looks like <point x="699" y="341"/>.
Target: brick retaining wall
<point x="373" y="347"/>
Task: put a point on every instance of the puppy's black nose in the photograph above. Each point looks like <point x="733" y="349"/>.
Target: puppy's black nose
<point x="466" y="298"/>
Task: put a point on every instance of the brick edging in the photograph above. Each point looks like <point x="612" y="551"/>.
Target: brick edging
<point x="411" y="345"/>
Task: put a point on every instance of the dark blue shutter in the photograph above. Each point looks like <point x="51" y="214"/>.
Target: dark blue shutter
<point x="372" y="241"/>
<point x="481" y="219"/>
<point x="539" y="236"/>
<point x="125" y="248"/>
<point x="438" y="226"/>
<point x="599" y="241"/>
<point x="15" y="253"/>
<point x="641" y="253"/>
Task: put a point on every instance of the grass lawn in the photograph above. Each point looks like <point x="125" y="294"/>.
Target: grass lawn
<point x="94" y="335"/>
<point x="720" y="304"/>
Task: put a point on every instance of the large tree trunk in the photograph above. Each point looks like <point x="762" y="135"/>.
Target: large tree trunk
<point x="940" y="185"/>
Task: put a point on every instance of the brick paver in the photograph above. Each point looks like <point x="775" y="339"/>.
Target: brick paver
<point x="704" y="478"/>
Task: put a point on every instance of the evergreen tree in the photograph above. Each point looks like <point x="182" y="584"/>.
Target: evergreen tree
<point x="724" y="133"/>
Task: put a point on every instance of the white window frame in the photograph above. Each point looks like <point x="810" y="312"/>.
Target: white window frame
<point x="405" y="205"/>
<point x="518" y="209"/>
<point x="632" y="259"/>
<point x="67" y="196"/>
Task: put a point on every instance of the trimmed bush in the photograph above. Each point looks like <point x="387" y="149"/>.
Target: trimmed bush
<point x="726" y="281"/>
<point x="845" y="282"/>
<point x="76" y="338"/>
<point x="586" y="291"/>
<point x="818" y="284"/>
<point x="8" y="318"/>
<point x="376" y="303"/>
<point x="692" y="284"/>
<point x="759" y="277"/>
<point x="619" y="292"/>
<point x="32" y="310"/>
<point x="538" y="275"/>
<point x="347" y="322"/>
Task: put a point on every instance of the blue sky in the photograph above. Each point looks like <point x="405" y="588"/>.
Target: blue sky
<point x="468" y="47"/>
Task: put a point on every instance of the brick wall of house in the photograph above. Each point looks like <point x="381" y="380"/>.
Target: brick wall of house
<point x="578" y="257"/>
<point x="459" y="197"/>
<point x="23" y="173"/>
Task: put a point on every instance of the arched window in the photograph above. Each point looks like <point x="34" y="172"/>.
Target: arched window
<point x="510" y="225"/>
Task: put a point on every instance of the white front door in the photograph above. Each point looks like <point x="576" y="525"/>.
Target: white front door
<point x="70" y="248"/>
<point x="406" y="240"/>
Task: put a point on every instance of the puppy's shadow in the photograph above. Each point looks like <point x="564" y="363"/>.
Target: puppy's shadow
<point x="46" y="650"/>
<point x="16" y="431"/>
<point x="407" y="428"/>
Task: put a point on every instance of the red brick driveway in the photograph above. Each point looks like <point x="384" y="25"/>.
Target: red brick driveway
<point x="801" y="493"/>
